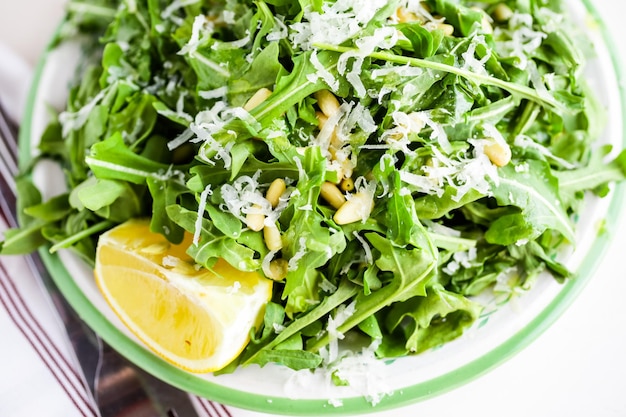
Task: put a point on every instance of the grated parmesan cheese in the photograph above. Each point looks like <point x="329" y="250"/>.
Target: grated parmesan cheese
<point x="469" y="57"/>
<point x="472" y="170"/>
<point x="322" y="73"/>
<point x="213" y="121"/>
<point x="366" y="247"/>
<point x="335" y="402"/>
<point x="180" y="139"/>
<point x="362" y="371"/>
<point x="460" y="260"/>
<point x="524" y="141"/>
<point x="204" y="195"/>
<point x="244" y="197"/>
<point x="228" y="16"/>
<point x="265" y="263"/>
<point x="201" y="30"/>
<point x="438" y="131"/>
<point x="338" y="22"/>
<point x="74" y="121"/>
<point x="334" y="137"/>
<point x="382" y="38"/>
<point x="279" y="31"/>
<point x="523" y="39"/>
<point x="220" y="92"/>
<point x="278" y="328"/>
<point x="170" y="261"/>
<point x="342" y="314"/>
<point x="292" y="264"/>
<point x="537" y="81"/>
<point x="175" y="6"/>
<point x="327" y="286"/>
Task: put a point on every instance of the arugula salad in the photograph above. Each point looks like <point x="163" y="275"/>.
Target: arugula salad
<point x="384" y="162"/>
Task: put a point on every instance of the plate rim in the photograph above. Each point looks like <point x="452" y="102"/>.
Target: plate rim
<point x="405" y="396"/>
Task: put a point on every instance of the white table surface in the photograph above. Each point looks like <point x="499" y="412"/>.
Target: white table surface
<point x="576" y="368"/>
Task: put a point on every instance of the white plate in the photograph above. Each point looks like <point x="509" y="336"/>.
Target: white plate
<point x="273" y="389"/>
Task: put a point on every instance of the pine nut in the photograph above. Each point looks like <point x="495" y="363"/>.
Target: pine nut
<point x="321" y="119"/>
<point x="277" y="188"/>
<point x="418" y="122"/>
<point x="498" y="152"/>
<point x="502" y="13"/>
<point x="403" y="15"/>
<point x="255" y="221"/>
<point x="327" y="102"/>
<point x="259" y="97"/>
<point x="271" y="234"/>
<point x="346" y="184"/>
<point x="278" y="269"/>
<point x="332" y="195"/>
<point x="358" y="208"/>
<point x="486" y="23"/>
<point x="447" y="29"/>
<point x="334" y="140"/>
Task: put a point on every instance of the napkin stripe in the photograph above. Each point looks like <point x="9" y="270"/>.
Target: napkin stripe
<point x="61" y="370"/>
<point x="28" y="318"/>
<point x="224" y="409"/>
<point x="213" y="409"/>
<point x="33" y="324"/>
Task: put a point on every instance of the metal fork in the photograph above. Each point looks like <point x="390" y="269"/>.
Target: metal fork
<point x="118" y="387"/>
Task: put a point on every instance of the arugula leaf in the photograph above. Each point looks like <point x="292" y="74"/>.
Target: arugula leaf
<point x="411" y="268"/>
<point x="535" y="193"/>
<point x="262" y="73"/>
<point x="294" y="359"/>
<point x="435" y="207"/>
<point x="308" y="241"/>
<point x="165" y="192"/>
<point x="345" y="291"/>
<point x="110" y="199"/>
<point x="463" y="18"/>
<point x="594" y="176"/>
<point x="437" y="318"/>
<point x="425" y="43"/>
<point x="111" y="159"/>
<point x="212" y="244"/>
<point x="519" y="90"/>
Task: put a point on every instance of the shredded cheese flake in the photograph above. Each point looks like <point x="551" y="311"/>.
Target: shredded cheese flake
<point x="244" y="197"/>
<point x="366" y="247"/>
<point x="279" y="31"/>
<point x="338" y="22"/>
<point x="204" y="196"/>
<point x="201" y="30"/>
<point x="523" y="39"/>
<point x="322" y="73"/>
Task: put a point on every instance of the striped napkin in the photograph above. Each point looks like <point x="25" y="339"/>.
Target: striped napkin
<point x="36" y="357"/>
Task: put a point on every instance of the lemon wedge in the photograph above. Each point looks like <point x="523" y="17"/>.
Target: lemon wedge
<point x="195" y="318"/>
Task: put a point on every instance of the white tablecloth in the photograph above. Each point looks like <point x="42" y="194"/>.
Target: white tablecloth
<point x="576" y="368"/>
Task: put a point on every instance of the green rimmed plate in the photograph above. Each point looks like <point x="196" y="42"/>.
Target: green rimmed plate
<point x="276" y="390"/>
